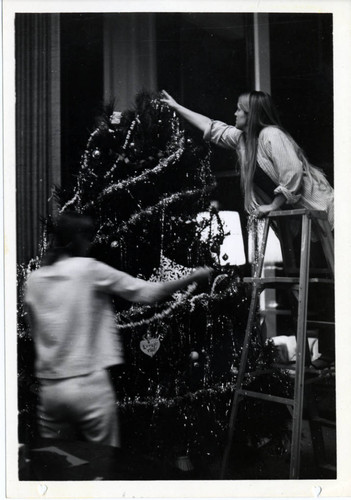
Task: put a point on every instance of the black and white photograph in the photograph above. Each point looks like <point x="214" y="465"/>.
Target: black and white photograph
<point x="175" y="317"/>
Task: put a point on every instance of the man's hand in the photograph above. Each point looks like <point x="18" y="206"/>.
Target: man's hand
<point x="202" y="274"/>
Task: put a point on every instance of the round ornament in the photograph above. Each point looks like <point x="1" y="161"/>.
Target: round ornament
<point x="96" y="154"/>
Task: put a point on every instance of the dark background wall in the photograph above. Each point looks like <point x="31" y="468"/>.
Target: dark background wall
<point x="81" y="85"/>
<point x="302" y="81"/>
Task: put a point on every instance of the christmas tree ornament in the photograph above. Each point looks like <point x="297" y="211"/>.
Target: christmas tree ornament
<point x="150" y="345"/>
<point x="115" y="118"/>
<point x="96" y="154"/>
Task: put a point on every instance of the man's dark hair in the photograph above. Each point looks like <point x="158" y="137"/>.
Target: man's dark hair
<point x="71" y="225"/>
<point x="67" y="235"/>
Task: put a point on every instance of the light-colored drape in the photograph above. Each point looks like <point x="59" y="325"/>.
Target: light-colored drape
<point x="262" y="52"/>
<point x="37" y="42"/>
<point x="129" y="57"/>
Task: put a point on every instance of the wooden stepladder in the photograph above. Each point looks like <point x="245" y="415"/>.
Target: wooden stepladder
<point x="300" y="285"/>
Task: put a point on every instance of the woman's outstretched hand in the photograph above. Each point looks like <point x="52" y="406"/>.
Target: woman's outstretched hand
<point x="199" y="121"/>
<point x="167" y="99"/>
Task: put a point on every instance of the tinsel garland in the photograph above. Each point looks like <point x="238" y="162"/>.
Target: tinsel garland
<point x="69" y="203"/>
<point x="173" y="144"/>
<point x="255" y="227"/>
<point x="86" y="152"/>
<point x="149" y="211"/>
<point x="158" y="402"/>
<point x="222" y="388"/>
<point x="146" y="175"/>
<point x="129" y="133"/>
<point x="204" y="298"/>
<point x="23" y="271"/>
<point x="159" y="316"/>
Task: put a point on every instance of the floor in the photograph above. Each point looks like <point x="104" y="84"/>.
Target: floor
<point x="48" y="459"/>
<point x="55" y="460"/>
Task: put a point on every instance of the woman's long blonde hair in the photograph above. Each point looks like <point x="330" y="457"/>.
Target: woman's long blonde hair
<point x="261" y="113"/>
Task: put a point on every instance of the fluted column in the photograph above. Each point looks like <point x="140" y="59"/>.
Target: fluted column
<point x="38" y="152"/>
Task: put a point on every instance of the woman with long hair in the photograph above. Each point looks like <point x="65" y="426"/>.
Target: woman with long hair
<point x="275" y="172"/>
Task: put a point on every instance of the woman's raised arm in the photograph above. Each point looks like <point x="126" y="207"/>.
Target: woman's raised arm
<point x="199" y="121"/>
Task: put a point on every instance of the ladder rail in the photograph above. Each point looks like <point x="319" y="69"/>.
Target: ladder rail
<point x="301" y="288"/>
<point x="300" y="348"/>
<point x="245" y="350"/>
<point x="327" y="242"/>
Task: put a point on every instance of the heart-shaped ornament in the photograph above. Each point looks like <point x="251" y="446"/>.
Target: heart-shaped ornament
<point x="150" y="346"/>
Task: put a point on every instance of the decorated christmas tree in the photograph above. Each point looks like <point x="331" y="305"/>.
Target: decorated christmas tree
<point x="146" y="182"/>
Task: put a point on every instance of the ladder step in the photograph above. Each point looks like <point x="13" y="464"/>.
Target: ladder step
<point x="266" y="397"/>
<point x="272" y="280"/>
<point x="278" y="312"/>
<point x="314" y="271"/>
<point x="311" y="374"/>
<point x="324" y="421"/>
<point x="317" y="214"/>
<point x="320" y="323"/>
<point x="287" y="312"/>
<point x="285" y="280"/>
